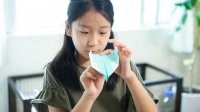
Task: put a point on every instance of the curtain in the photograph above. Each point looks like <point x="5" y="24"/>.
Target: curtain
<point x="2" y="31"/>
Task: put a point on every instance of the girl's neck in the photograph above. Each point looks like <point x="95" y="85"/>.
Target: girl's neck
<point x="83" y="61"/>
<point x="84" y="64"/>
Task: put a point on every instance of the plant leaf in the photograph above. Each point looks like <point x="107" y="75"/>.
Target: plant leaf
<point x="193" y="2"/>
<point x="198" y="17"/>
<point x="179" y="4"/>
<point x="182" y="21"/>
<point x="188" y="4"/>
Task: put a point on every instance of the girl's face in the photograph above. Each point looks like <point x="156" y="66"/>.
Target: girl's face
<point x="90" y="32"/>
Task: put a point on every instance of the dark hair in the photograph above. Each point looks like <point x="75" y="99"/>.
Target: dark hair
<point x="64" y="65"/>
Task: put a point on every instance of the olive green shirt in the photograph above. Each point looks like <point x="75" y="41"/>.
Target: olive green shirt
<point x="54" y="94"/>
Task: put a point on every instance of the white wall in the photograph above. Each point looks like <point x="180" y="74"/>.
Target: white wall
<point x="152" y="46"/>
<point x="26" y="55"/>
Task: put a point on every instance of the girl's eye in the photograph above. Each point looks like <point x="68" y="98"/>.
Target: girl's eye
<point x="84" y="32"/>
<point x="102" y="33"/>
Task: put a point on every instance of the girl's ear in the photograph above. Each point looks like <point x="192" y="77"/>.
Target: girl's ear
<point x="68" y="29"/>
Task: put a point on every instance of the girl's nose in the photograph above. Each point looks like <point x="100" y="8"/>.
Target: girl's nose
<point x="93" y="41"/>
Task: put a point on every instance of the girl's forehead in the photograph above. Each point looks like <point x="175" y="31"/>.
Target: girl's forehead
<point x="93" y="18"/>
<point x="87" y="26"/>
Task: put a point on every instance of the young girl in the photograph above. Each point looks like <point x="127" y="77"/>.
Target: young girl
<point x="71" y="84"/>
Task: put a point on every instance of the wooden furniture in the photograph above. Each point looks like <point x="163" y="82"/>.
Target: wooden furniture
<point x="19" y="91"/>
<point x="170" y="78"/>
<point x="17" y="86"/>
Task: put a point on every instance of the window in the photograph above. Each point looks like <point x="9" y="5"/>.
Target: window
<point x="30" y="17"/>
<point x="156" y="12"/>
<point x="2" y="32"/>
<point x="40" y="16"/>
<point x="126" y="18"/>
<point x="37" y="17"/>
<point x="142" y="13"/>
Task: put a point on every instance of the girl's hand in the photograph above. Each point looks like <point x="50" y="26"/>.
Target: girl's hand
<point x="125" y="54"/>
<point x="92" y="82"/>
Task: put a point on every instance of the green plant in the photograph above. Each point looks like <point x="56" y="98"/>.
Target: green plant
<point x="194" y="7"/>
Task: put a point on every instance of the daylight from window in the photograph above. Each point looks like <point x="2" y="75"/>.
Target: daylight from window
<point x="42" y="17"/>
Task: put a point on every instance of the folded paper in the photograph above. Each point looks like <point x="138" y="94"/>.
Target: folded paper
<point x="104" y="64"/>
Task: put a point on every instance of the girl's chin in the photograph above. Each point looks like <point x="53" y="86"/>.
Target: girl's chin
<point x="87" y="56"/>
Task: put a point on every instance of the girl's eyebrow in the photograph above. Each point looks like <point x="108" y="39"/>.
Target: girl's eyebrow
<point x="87" y="26"/>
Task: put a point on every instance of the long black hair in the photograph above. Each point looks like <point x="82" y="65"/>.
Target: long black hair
<point x="64" y="65"/>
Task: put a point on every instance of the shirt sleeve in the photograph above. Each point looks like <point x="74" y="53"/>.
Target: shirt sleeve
<point x="52" y="94"/>
<point x="131" y="107"/>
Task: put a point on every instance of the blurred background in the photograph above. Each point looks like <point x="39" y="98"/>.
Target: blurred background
<point x="163" y="33"/>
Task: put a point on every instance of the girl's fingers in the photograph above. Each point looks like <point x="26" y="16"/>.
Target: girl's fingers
<point x="117" y="43"/>
<point x="127" y="50"/>
<point x="93" y="73"/>
<point x="91" y="76"/>
<point x="91" y="70"/>
<point x="121" y="46"/>
<point x="113" y="40"/>
<point x="107" y="51"/>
